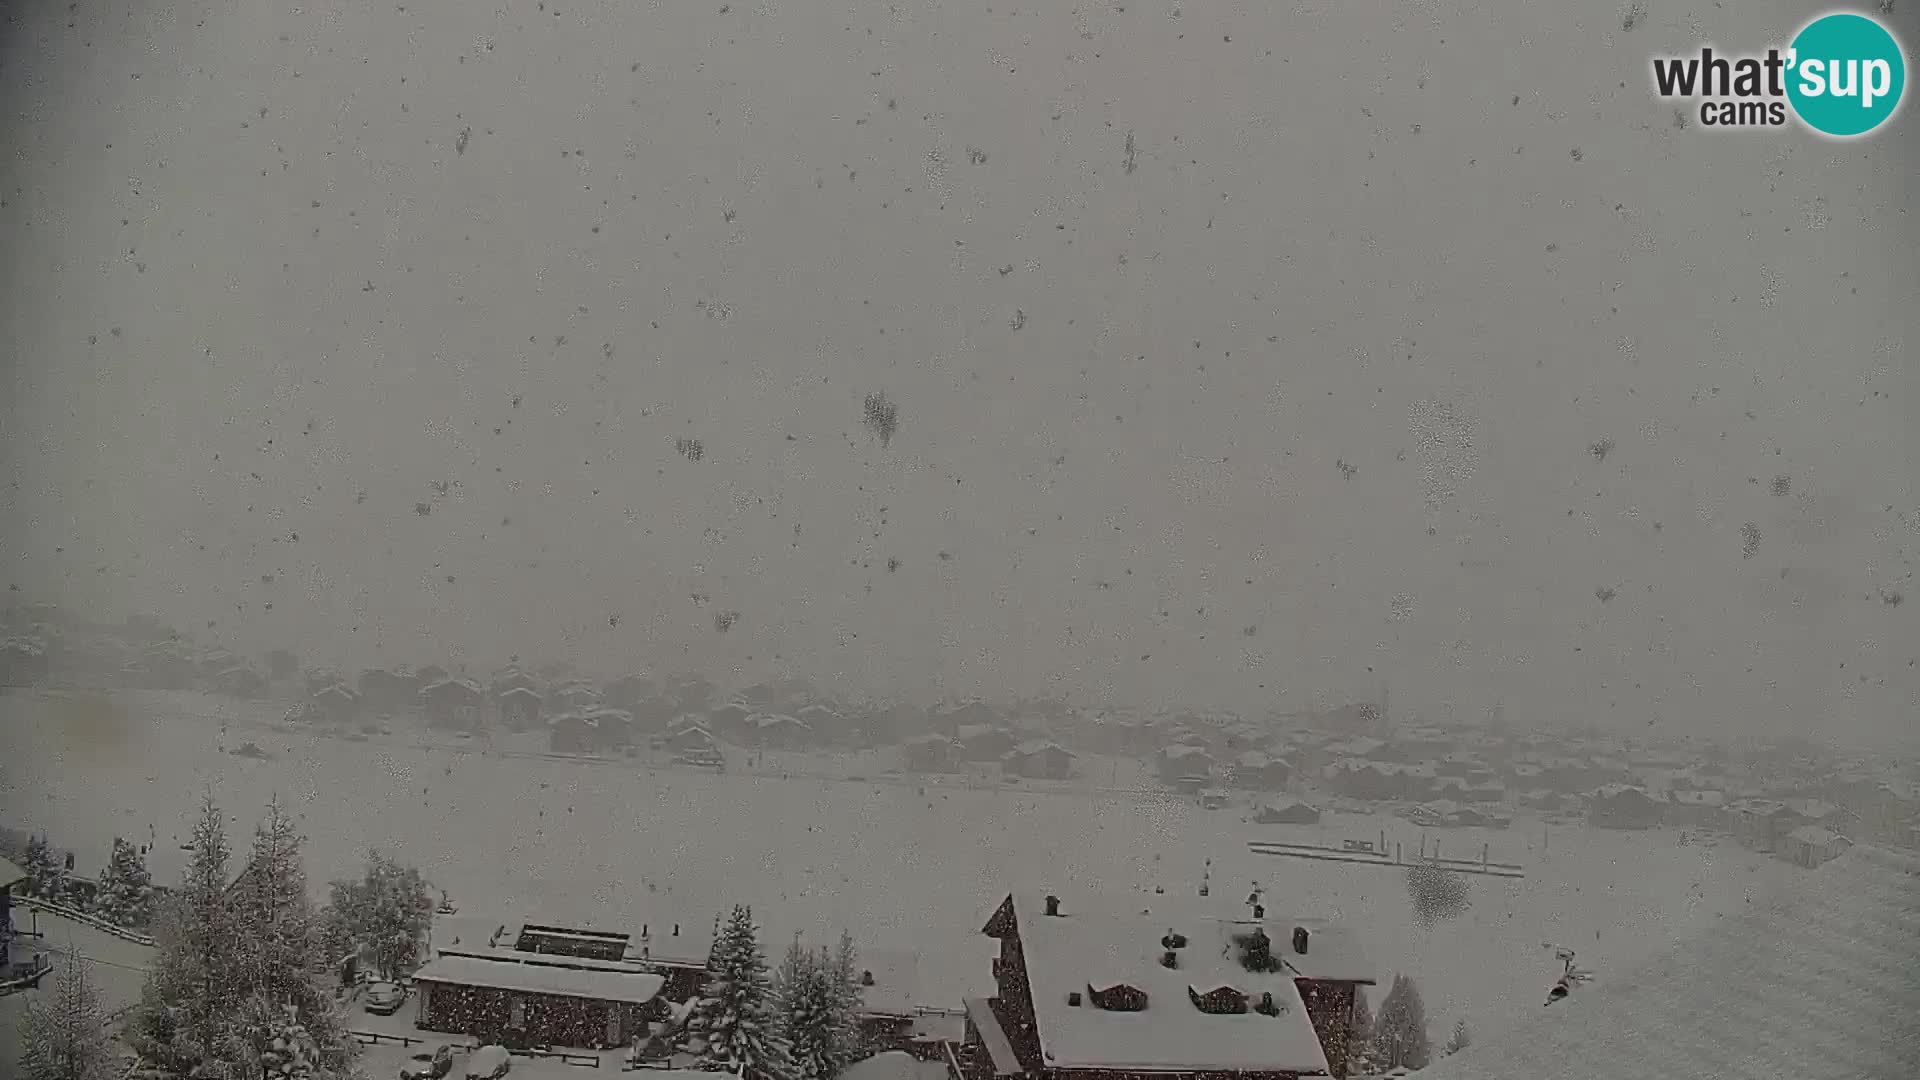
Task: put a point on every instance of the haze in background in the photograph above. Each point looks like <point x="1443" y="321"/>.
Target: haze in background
<point x="1243" y="355"/>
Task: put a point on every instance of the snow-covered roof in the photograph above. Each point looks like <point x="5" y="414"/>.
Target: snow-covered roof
<point x="540" y="979"/>
<point x="1816" y="980"/>
<point x="10" y="875"/>
<point x="466" y="688"/>
<point x="1039" y="746"/>
<point x="906" y="979"/>
<point x="1815" y="835"/>
<point x="892" y="1065"/>
<point x="520" y="690"/>
<point x="1068" y="953"/>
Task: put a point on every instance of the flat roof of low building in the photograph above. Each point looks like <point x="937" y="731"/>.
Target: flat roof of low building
<point x="631" y="988"/>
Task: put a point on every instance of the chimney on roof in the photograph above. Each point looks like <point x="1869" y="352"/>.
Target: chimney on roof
<point x="1259" y="912"/>
<point x="1300" y="940"/>
<point x="1053" y="906"/>
<point x="1169" y="959"/>
<point x="1073" y="997"/>
<point x="676" y="929"/>
<point x="866" y="978"/>
<point x="1266" y="1006"/>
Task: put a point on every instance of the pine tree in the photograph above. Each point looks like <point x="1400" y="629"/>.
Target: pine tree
<point x="738" y="1027"/>
<point x="281" y="941"/>
<point x="280" y="1046"/>
<point x="125" y="897"/>
<point x="806" y="994"/>
<point x="182" y="1026"/>
<point x="849" y="999"/>
<point x="1459" y="1040"/>
<point x="1360" y="1050"/>
<point x="64" y="1034"/>
<point x="46" y="876"/>
<point x="387" y="912"/>
<point x="1400" y="1031"/>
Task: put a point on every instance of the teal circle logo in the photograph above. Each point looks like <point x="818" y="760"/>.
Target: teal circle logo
<point x="1846" y="74"/>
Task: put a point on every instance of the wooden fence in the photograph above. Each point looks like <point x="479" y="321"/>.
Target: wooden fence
<point x="565" y="1057"/>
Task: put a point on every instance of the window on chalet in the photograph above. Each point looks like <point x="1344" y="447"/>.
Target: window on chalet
<point x="1219" y="1001"/>
<point x="1117" y="997"/>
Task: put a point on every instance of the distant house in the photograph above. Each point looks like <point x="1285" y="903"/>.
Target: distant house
<point x="429" y="675"/>
<point x="984" y="742"/>
<point x="512" y="679"/>
<point x="1696" y="806"/>
<point x="1258" y="771"/>
<point x="1820" y="813"/>
<point x="1810" y="846"/>
<point x="1622" y="806"/>
<point x="335" y="705"/>
<point x="1180" y="761"/>
<point x="519" y="707"/>
<point x="1040" y="759"/>
<point x="823" y="722"/>
<point x="592" y="731"/>
<point x="1543" y="799"/>
<point x="930" y="753"/>
<point x="688" y="737"/>
<point x="1756" y="824"/>
<point x="1287" y="812"/>
<point x="778" y="731"/>
<point x="386" y="690"/>
<point x="452" y="704"/>
<point x="240" y="681"/>
<point x="578" y="695"/>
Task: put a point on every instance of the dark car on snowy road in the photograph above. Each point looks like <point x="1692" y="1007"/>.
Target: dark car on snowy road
<point x="385" y="998"/>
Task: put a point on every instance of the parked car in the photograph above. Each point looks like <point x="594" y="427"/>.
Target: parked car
<point x="489" y="1063"/>
<point x="385" y="998"/>
<point x="428" y="1064"/>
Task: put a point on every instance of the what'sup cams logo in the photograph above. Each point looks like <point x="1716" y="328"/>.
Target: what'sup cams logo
<point x="1843" y="75"/>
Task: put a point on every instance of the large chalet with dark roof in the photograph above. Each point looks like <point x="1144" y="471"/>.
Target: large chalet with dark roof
<point x="1170" y="991"/>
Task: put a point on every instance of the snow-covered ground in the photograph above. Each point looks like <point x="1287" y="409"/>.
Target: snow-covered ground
<point x="618" y="844"/>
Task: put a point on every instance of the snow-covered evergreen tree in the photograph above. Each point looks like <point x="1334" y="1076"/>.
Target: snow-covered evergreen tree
<point x="280" y="1047"/>
<point x="125" y="896"/>
<point x="280" y="938"/>
<point x="387" y="912"/>
<point x="46" y="874"/>
<point x="1400" y="1029"/>
<point x="1459" y="1040"/>
<point x="1360" y="1051"/>
<point x="805" y="991"/>
<point x="850" y="998"/>
<point x="182" y="1026"/>
<point x="736" y="1026"/>
<point x="63" y="1035"/>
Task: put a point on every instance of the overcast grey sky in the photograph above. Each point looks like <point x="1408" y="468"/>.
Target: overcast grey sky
<point x="1244" y="354"/>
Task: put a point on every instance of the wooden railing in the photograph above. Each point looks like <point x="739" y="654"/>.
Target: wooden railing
<point x="75" y="914"/>
<point x="375" y="1038"/>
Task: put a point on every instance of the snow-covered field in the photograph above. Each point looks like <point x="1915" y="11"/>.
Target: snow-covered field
<point x="619" y="844"/>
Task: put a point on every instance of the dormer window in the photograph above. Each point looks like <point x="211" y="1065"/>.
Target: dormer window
<point x="1218" y="1001"/>
<point x="1117" y="997"/>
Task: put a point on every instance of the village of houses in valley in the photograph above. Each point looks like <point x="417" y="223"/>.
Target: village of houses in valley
<point x="1190" y="977"/>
